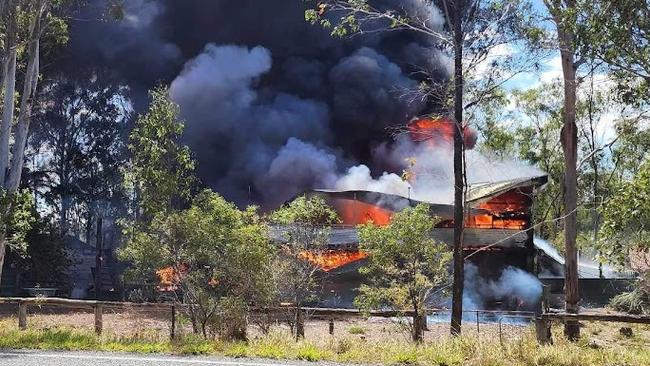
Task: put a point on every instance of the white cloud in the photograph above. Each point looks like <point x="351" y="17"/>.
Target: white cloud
<point x="552" y="70"/>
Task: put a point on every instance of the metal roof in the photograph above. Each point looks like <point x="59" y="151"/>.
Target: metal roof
<point x="479" y="192"/>
<point x="395" y="203"/>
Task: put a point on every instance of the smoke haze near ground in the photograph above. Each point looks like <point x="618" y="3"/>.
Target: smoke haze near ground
<point x="514" y="284"/>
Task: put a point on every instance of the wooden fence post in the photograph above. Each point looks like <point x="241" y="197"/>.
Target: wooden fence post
<point x="172" y="331"/>
<point x="99" y="322"/>
<point x="542" y="323"/>
<point x="543" y="330"/>
<point x="22" y="315"/>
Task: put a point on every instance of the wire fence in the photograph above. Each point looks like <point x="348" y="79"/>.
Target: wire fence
<point x="162" y="321"/>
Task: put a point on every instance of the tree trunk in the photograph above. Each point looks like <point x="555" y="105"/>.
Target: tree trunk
<point x="459" y="179"/>
<point x="98" y="260"/>
<point x="3" y="251"/>
<point x="570" y="148"/>
<point x="300" y="324"/>
<point x="26" y="103"/>
<point x="9" y="89"/>
<point x="63" y="217"/>
<point x="419" y="322"/>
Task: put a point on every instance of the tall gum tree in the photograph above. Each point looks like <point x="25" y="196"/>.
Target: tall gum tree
<point x="23" y="23"/>
<point x="564" y="17"/>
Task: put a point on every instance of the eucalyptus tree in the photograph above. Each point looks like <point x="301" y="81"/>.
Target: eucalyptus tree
<point x="405" y="265"/>
<point x="618" y="33"/>
<point x="568" y="18"/>
<point x="23" y="24"/>
<point x="26" y="23"/>
<point x="79" y="143"/>
<point x="160" y="175"/>
<point x="481" y="36"/>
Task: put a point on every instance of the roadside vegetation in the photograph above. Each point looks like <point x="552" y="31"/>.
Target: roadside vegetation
<point x="599" y="345"/>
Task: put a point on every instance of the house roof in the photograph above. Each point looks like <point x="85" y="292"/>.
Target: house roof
<point x="480" y="192"/>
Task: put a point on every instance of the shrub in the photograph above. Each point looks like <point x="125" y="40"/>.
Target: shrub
<point x="406" y="357"/>
<point x="633" y="302"/>
<point x="231" y="321"/>
<point x="355" y="329"/>
<point x="237" y="350"/>
<point x="309" y="352"/>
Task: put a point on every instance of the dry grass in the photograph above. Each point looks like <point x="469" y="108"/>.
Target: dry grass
<point x="382" y="342"/>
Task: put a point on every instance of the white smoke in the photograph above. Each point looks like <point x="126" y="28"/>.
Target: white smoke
<point x="432" y="172"/>
<point x="518" y="288"/>
<point x="140" y="13"/>
<point x="359" y="178"/>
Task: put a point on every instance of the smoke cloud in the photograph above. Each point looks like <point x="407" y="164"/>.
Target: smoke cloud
<point x="273" y="105"/>
<point x="521" y="289"/>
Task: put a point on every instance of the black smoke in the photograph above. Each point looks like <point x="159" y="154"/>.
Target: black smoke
<point x="273" y="105"/>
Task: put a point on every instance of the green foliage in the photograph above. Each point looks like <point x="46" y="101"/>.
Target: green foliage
<point x="232" y="322"/>
<point x="355" y="329"/>
<point x="633" y="302"/>
<point x="16" y="219"/>
<point x="54" y="22"/>
<point x="618" y="33"/>
<point x="161" y="171"/>
<point x="80" y="133"/>
<point x="405" y="263"/>
<point x="312" y="211"/>
<point x="305" y="226"/>
<point x="212" y="247"/>
<point x="626" y="217"/>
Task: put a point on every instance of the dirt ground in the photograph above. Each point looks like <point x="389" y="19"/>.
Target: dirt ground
<point x="156" y="325"/>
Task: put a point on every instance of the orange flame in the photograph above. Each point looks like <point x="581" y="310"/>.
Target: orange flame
<point x="353" y="212"/>
<point x="440" y="131"/>
<point x="169" y="278"/>
<point x="506" y="212"/>
<point x="328" y="260"/>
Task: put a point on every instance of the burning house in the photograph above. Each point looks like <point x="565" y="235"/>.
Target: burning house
<point x="498" y="226"/>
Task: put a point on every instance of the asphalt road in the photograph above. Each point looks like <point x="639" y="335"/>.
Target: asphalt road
<point x="38" y="358"/>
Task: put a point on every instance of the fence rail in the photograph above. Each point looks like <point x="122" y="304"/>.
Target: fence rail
<point x="618" y="318"/>
<point x="542" y="321"/>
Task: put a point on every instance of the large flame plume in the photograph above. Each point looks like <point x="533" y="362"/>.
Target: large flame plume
<point x="439" y="132"/>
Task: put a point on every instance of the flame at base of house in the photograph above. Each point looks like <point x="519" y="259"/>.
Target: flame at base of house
<point x="328" y="260"/>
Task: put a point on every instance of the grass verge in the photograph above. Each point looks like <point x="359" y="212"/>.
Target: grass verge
<point x="279" y="345"/>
